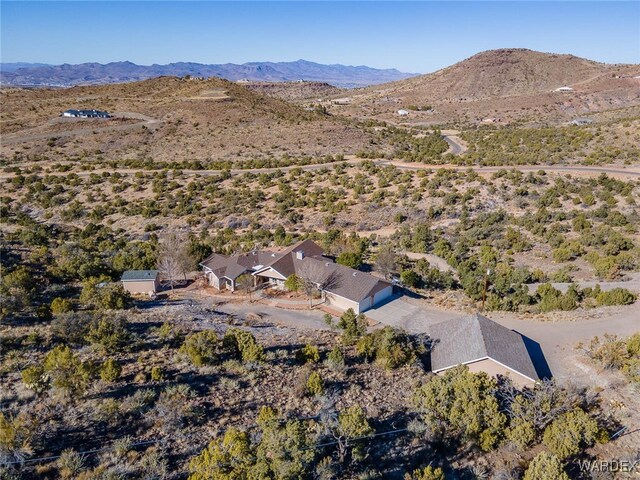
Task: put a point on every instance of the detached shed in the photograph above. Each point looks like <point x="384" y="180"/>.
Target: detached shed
<point x="141" y="281"/>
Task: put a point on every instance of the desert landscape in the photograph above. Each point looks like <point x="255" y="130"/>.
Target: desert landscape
<point x="479" y="193"/>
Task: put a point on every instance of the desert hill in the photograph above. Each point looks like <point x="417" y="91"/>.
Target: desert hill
<point x="308" y="92"/>
<point x="168" y="119"/>
<point x="505" y="72"/>
<point x="509" y="84"/>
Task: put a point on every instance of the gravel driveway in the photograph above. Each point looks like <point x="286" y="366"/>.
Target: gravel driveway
<point x="398" y="312"/>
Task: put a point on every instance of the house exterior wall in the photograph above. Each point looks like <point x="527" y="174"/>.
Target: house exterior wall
<point x="493" y="368"/>
<point x="271" y="273"/>
<point x="382" y="295"/>
<point x="341" y="302"/>
<point x="141" y="286"/>
<point x="213" y="280"/>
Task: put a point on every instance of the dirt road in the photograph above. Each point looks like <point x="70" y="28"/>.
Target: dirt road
<point x="559" y="339"/>
<point x="618" y="171"/>
<point x="632" y="284"/>
<point x="457" y="146"/>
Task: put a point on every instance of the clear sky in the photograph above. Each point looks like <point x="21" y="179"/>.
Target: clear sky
<point x="411" y="36"/>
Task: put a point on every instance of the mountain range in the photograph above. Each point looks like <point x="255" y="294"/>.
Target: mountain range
<point x="117" y="72"/>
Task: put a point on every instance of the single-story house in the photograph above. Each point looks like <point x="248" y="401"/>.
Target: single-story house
<point x="141" y="281"/>
<point x="222" y="271"/>
<point x="483" y="346"/>
<point x="341" y="287"/>
<point x="86" y="114"/>
<point x="581" y="121"/>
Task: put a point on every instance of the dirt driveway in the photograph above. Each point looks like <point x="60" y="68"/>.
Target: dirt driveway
<point x="558" y="339"/>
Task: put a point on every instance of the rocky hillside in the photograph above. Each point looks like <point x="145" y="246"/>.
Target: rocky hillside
<point x="506" y="84"/>
<point x="169" y="119"/>
<point x="308" y="92"/>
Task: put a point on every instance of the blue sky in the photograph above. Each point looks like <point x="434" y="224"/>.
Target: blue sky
<point x="411" y="36"/>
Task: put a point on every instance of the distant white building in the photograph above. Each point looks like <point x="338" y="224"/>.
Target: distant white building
<point x="403" y="113"/>
<point x="581" y="121"/>
<point x="564" y="89"/>
<point x="85" y="114"/>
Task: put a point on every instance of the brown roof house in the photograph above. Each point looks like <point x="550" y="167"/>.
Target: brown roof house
<point x="341" y="287"/>
<point x="483" y="346"/>
<point x="141" y="281"/>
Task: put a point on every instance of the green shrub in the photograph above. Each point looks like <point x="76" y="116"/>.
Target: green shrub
<point x="616" y="296"/>
<point x="552" y="299"/>
<point x="353" y="424"/>
<point x="67" y="371"/>
<point x="100" y="293"/>
<point x="388" y="347"/>
<point x="293" y="283"/>
<point x="545" y="466"/>
<point x="228" y="458"/>
<point x="157" y="375"/>
<point x="110" y="371"/>
<point x="35" y="378"/>
<point x="462" y="404"/>
<point x="60" y="305"/>
<point x="202" y="348"/>
<point x="426" y="473"/>
<point x="308" y="354"/>
<point x="15" y="438"/>
<point x="110" y="332"/>
<point x="315" y="384"/>
<point x="243" y="344"/>
<point x="409" y="278"/>
<point x="350" y="259"/>
<point x="569" y="433"/>
<point x="353" y="326"/>
<point x="335" y="359"/>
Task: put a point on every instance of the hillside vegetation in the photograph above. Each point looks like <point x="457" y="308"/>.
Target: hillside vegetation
<point x="186" y="120"/>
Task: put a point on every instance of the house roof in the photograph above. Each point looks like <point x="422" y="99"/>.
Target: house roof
<point x="346" y="282"/>
<point x="283" y="263"/>
<point x="139" y="275"/>
<point x="475" y="337"/>
<point x="234" y="266"/>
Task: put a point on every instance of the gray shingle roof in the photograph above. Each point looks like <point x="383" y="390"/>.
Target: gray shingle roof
<point x="347" y="282"/>
<point x="474" y="337"/>
<point x="234" y="266"/>
<point x="139" y="275"/>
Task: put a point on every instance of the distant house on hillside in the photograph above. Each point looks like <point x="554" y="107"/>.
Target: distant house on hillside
<point x="403" y="113"/>
<point x="483" y="346"/>
<point x="141" y="281"/>
<point x="341" y="287"/>
<point x="564" y="89"/>
<point x="581" y="121"/>
<point x="86" y="114"/>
